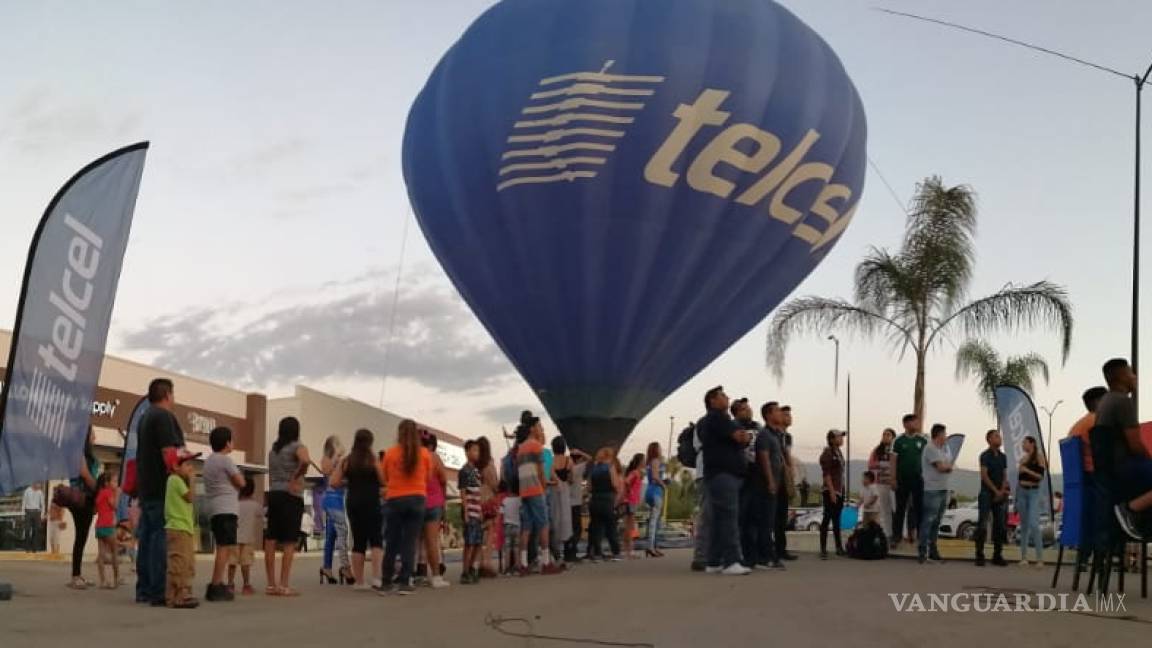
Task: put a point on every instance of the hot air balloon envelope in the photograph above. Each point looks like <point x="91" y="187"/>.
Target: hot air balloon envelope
<point x="620" y="189"/>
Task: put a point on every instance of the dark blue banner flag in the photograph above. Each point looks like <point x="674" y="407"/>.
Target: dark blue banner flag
<point x="62" y="321"/>
<point x="1017" y="416"/>
<point x="621" y="189"/>
<point x="128" y="464"/>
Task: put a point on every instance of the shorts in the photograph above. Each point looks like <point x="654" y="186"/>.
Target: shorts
<point x="285" y="511"/>
<point x="533" y="514"/>
<point x="103" y="533"/>
<point x="433" y="514"/>
<point x="242" y="556"/>
<point x="625" y="509"/>
<point x="224" y="529"/>
<point x="511" y="536"/>
<point x="473" y="533"/>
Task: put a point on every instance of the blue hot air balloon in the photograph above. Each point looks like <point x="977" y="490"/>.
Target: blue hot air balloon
<point x="620" y="189"/>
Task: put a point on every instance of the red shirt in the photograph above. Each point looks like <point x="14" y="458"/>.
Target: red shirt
<point x="105" y="508"/>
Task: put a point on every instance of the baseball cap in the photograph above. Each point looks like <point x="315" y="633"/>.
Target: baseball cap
<point x="835" y="433"/>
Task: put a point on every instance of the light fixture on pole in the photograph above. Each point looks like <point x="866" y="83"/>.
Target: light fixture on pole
<point x="1140" y="80"/>
<point x="836" y="365"/>
<point x="1050" y="412"/>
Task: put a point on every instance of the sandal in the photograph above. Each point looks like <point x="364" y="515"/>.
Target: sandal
<point x="271" y="591"/>
<point x="185" y="604"/>
<point x="289" y="592"/>
<point x="77" y="584"/>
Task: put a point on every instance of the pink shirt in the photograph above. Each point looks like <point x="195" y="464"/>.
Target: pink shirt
<point x="435" y="492"/>
<point x="635" y="481"/>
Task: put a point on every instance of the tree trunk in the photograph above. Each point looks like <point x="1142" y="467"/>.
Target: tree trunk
<point x="918" y="390"/>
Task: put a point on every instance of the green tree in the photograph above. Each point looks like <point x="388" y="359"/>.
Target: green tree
<point x="977" y="359"/>
<point x="917" y="296"/>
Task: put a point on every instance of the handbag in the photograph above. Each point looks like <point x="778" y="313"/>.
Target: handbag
<point x="69" y="497"/>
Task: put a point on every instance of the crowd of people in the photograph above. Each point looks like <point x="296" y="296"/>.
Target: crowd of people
<point x="383" y="510"/>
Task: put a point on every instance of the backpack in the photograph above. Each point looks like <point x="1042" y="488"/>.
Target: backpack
<point x="686" y="446"/>
<point x="510" y="473"/>
<point x="868" y="542"/>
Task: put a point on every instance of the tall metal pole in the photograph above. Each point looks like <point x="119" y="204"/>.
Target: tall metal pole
<point x="848" y="437"/>
<point x="671" y="428"/>
<point x="836" y="365"/>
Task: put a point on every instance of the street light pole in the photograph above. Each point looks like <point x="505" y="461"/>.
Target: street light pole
<point x="836" y="366"/>
<point x="1140" y="81"/>
<point x="1050" y="412"/>
<point x="671" y="431"/>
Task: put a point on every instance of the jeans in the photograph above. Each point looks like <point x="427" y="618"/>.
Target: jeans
<point x="724" y="541"/>
<point x="152" y="554"/>
<point x="885" y="503"/>
<point x="781" y="521"/>
<point x="656" y="512"/>
<point x="832" y="510"/>
<point x="998" y="512"/>
<point x="405" y="520"/>
<point x="910" y="501"/>
<point x="571" y="547"/>
<point x="32" y="526"/>
<point x="335" y="536"/>
<point x="757" y="524"/>
<point x="602" y="509"/>
<point x="934" y="503"/>
<point x="82" y="520"/>
<point x="1028" y="505"/>
<point x="703" y="523"/>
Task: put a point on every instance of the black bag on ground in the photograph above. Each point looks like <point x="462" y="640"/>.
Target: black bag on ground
<point x="868" y="542"/>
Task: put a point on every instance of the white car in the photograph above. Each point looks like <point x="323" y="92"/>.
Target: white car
<point x="960" y="522"/>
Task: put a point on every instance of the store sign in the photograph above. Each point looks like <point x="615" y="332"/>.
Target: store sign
<point x="201" y="425"/>
<point x="452" y="456"/>
<point x="105" y="409"/>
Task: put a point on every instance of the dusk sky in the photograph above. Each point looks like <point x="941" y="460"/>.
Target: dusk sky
<point x="273" y="210"/>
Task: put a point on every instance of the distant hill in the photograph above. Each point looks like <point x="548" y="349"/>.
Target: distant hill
<point x="964" y="482"/>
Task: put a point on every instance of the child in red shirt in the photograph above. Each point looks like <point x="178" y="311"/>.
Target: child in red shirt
<point x="106" y="494"/>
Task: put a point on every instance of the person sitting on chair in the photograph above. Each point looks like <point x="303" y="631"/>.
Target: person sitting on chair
<point x="1131" y="462"/>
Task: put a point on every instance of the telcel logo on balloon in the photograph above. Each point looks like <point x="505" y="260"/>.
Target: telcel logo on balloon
<point x="621" y="189"/>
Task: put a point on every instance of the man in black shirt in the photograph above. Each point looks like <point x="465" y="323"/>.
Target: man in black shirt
<point x="783" y="494"/>
<point x="159" y="438"/>
<point x="1125" y="461"/>
<point x="993" y="500"/>
<point x="725" y="466"/>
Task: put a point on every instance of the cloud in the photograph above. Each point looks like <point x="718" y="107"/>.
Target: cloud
<point x="336" y="331"/>
<point x="261" y="160"/>
<point x="39" y="121"/>
<point x="504" y="414"/>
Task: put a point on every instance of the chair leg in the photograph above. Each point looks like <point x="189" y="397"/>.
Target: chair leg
<point x="1122" y="559"/>
<point x="1080" y="562"/>
<point x="1143" y="569"/>
<point x="1059" y="563"/>
<point x="1094" y="573"/>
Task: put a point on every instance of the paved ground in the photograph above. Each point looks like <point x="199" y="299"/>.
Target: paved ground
<point x="646" y="602"/>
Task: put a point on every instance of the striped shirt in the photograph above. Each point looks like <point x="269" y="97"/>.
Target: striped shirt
<point x="529" y="462"/>
<point x="468" y="483"/>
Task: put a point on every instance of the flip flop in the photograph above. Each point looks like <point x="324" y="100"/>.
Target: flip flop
<point x="272" y="591"/>
<point x="289" y="592"/>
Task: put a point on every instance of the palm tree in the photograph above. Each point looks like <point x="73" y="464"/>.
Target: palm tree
<point x="977" y="359"/>
<point x="916" y="296"/>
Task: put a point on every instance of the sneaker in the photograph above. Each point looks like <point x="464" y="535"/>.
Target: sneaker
<point x="935" y="557"/>
<point x="778" y="566"/>
<point x="1025" y="563"/>
<point x="248" y="591"/>
<point x="361" y="587"/>
<point x="386" y="591"/>
<point x="713" y="570"/>
<point x="823" y="555"/>
<point x="999" y="562"/>
<point x="551" y="570"/>
<point x="218" y="593"/>
<point x="979" y="561"/>
<point x="595" y="560"/>
<point x="736" y="569"/>
<point x="921" y="559"/>
<point x="698" y="566"/>
<point x="438" y="582"/>
<point x="405" y="590"/>
<point x="934" y="560"/>
<point x="524" y="571"/>
<point x="1127" y="519"/>
<point x="790" y="556"/>
<point x="616" y="558"/>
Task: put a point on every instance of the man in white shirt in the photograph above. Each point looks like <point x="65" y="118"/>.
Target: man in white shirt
<point x="33" y="505"/>
<point x="936" y="466"/>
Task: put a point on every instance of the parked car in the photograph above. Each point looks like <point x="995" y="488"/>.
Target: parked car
<point x="961" y="523"/>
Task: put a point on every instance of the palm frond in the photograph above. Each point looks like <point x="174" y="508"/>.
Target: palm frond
<point x="977" y="359"/>
<point x="821" y="315"/>
<point x="1042" y="304"/>
<point x="1019" y="370"/>
<point x="938" y="241"/>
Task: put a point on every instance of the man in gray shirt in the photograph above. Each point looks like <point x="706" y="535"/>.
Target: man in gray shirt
<point x="936" y="466"/>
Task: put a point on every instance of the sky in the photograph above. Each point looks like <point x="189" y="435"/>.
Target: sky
<point x="273" y="215"/>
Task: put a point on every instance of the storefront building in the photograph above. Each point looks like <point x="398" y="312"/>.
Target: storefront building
<point x="200" y="407"/>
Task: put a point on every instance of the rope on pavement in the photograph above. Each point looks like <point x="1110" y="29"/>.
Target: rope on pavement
<point x="497" y="623"/>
